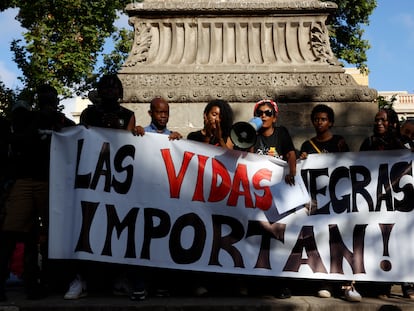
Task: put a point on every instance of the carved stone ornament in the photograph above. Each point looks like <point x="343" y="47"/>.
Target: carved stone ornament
<point x="245" y="87"/>
<point x="195" y="50"/>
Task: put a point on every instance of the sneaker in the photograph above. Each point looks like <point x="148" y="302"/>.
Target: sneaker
<point x="77" y="289"/>
<point x="138" y="295"/>
<point x="409" y="294"/>
<point x="408" y="290"/>
<point x="122" y="287"/>
<point x="324" y="293"/>
<point x="283" y="293"/>
<point x="351" y="294"/>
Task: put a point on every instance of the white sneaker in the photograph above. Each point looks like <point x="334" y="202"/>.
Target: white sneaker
<point x="324" y="293"/>
<point x="77" y="289"/>
<point x="351" y="294"/>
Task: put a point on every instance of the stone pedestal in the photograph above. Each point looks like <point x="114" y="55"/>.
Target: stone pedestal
<point x="192" y="51"/>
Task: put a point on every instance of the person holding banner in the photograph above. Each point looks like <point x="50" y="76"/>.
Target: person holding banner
<point x="109" y="114"/>
<point x="407" y="130"/>
<point x="386" y="132"/>
<point x="386" y="136"/>
<point x="218" y="120"/>
<point x="27" y="204"/>
<point x="323" y="118"/>
<point x="274" y="140"/>
<point x="160" y="113"/>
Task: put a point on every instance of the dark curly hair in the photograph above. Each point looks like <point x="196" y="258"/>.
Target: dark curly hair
<point x="321" y="108"/>
<point x="226" y="115"/>
<point x="393" y="122"/>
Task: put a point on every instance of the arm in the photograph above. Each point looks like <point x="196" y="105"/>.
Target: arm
<point x="291" y="160"/>
<point x="175" y="136"/>
<point x="138" y="130"/>
<point x="131" y="123"/>
<point x="218" y="134"/>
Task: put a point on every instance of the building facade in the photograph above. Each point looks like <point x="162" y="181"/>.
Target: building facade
<point x="403" y="103"/>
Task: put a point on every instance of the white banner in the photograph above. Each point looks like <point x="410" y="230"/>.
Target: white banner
<point x="148" y="201"/>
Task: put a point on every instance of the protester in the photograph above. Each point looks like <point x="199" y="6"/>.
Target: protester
<point x="407" y="129"/>
<point x="27" y="204"/>
<point x="274" y="140"/>
<point x="5" y="133"/>
<point x="160" y="113"/>
<point x="218" y="120"/>
<point x="386" y="136"/>
<point x="386" y="132"/>
<point x="107" y="112"/>
<point x="407" y="133"/>
<point x="323" y="118"/>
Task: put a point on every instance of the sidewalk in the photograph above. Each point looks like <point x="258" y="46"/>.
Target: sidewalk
<point x="17" y="302"/>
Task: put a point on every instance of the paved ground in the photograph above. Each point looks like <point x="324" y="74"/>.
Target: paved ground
<point x="18" y="302"/>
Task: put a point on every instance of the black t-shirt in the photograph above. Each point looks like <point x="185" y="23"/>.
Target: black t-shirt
<point x="335" y="144"/>
<point x="118" y="117"/>
<point x="31" y="140"/>
<point x="280" y="140"/>
<point x="198" y="136"/>
<point x="382" y="143"/>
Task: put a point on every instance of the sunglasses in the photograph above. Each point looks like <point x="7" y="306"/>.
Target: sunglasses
<point x="267" y="113"/>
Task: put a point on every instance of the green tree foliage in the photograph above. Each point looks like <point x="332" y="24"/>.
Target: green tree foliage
<point x="346" y="30"/>
<point x="384" y="103"/>
<point x="113" y="61"/>
<point x="63" y="40"/>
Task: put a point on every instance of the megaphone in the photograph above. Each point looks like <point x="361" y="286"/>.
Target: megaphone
<point x="244" y="134"/>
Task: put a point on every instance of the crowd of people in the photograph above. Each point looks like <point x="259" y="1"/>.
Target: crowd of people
<point x="24" y="178"/>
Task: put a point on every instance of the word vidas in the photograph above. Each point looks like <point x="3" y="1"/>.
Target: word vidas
<point x="223" y="186"/>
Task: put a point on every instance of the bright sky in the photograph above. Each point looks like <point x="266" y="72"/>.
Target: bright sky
<point x="390" y="59"/>
<point x="391" y="36"/>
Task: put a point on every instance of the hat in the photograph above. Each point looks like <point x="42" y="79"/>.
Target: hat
<point x="266" y="101"/>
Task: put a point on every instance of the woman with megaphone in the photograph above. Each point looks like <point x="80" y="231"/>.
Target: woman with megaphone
<point x="274" y="140"/>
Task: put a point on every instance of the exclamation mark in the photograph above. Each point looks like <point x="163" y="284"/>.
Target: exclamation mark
<point x="385" y="264"/>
